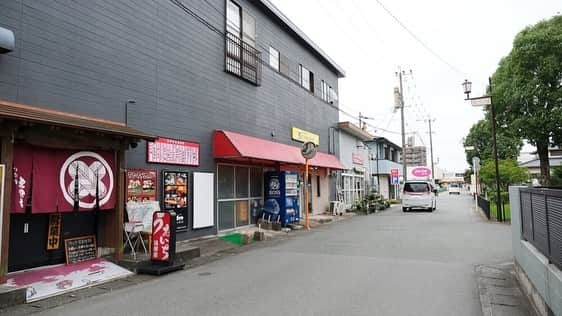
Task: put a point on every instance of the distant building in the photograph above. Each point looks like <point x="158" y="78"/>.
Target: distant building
<point x="415" y="155"/>
<point x="385" y="156"/>
<point x="533" y="163"/>
<point x="354" y="181"/>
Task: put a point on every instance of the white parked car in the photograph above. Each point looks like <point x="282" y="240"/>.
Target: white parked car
<point x="419" y="195"/>
<point x="454" y="188"/>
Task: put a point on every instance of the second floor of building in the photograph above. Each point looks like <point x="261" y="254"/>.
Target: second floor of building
<point x="172" y="59"/>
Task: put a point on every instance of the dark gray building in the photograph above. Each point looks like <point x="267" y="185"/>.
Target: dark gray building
<point x="181" y="70"/>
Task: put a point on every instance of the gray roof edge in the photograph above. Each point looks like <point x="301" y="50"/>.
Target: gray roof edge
<point x="340" y="72"/>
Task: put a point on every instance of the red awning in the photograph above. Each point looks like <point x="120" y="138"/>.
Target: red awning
<point x="234" y="146"/>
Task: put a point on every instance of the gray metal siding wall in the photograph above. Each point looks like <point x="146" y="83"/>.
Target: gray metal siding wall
<point x="89" y="57"/>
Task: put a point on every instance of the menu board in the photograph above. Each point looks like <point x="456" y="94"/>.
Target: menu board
<point x="80" y="249"/>
<point x="141" y="185"/>
<point x="175" y="196"/>
<point x="172" y="151"/>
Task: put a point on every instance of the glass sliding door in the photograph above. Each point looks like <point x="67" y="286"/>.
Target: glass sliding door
<point x="240" y="192"/>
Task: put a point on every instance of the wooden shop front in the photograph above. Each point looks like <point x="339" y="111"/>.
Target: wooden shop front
<point x="63" y="179"/>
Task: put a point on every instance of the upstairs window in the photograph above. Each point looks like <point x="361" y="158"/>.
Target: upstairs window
<point x="274" y="58"/>
<point x="326" y="91"/>
<point x="306" y="78"/>
<point x="242" y="58"/>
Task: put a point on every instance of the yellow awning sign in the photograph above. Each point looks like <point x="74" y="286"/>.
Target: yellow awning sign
<point x="304" y="136"/>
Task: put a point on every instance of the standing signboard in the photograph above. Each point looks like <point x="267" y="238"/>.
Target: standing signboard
<point x="163" y="237"/>
<point x="2" y="177"/>
<point x="175" y="196"/>
<point x="141" y="185"/>
<point x="163" y="248"/>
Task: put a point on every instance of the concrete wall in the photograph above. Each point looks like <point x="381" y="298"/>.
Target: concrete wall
<point x="89" y="57"/>
<point x="541" y="280"/>
<point x="348" y="145"/>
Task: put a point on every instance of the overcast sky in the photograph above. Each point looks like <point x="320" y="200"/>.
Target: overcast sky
<point x="470" y="37"/>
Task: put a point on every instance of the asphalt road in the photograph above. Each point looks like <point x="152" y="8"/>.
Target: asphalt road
<point x="390" y="263"/>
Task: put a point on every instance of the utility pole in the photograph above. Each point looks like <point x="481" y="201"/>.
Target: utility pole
<point x="431" y="148"/>
<point x="401" y="92"/>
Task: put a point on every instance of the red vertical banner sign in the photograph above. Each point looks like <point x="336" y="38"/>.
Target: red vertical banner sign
<point x="163" y="237"/>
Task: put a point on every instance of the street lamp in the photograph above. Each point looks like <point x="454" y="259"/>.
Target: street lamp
<point x="467" y="86"/>
<point x="483" y="101"/>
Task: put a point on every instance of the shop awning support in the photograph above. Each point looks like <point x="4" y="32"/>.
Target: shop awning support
<point x="119" y="207"/>
<point x="7" y="158"/>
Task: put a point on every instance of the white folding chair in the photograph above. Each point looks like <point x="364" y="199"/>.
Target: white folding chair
<point x="133" y="229"/>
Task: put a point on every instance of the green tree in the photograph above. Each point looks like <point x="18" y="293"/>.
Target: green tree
<point x="480" y="137"/>
<point x="527" y="88"/>
<point x="556" y="178"/>
<point x="510" y="174"/>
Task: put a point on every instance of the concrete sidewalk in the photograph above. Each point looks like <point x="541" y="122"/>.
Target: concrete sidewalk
<point x="211" y="249"/>
<point x="500" y="293"/>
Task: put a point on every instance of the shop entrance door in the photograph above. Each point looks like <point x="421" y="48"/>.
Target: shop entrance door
<point x="28" y="238"/>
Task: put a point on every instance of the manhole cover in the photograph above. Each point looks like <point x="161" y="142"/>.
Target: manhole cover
<point x="205" y="273"/>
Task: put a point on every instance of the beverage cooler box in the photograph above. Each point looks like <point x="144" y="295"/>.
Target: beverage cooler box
<point x="281" y="203"/>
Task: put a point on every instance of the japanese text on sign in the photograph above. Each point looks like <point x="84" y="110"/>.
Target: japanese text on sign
<point x="171" y="151"/>
<point x="80" y="249"/>
<point x="161" y="236"/>
<point x="53" y="237"/>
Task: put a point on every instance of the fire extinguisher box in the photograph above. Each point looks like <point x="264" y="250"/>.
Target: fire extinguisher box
<point x="163" y="247"/>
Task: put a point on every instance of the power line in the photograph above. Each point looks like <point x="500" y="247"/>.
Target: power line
<point x="222" y="34"/>
<point x="429" y="49"/>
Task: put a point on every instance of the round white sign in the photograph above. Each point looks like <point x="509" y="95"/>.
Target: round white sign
<point x="98" y="170"/>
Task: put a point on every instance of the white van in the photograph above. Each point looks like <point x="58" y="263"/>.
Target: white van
<point x="454" y="188"/>
<point x="418" y="194"/>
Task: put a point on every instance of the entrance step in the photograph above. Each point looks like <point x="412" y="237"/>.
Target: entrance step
<point x="184" y="253"/>
<point x="12" y="295"/>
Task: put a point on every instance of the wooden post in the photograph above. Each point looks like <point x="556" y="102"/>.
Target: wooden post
<point x="307" y="224"/>
<point x="6" y="158"/>
<point x="120" y="204"/>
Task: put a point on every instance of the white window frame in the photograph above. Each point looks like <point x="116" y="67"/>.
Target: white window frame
<point x="274" y="61"/>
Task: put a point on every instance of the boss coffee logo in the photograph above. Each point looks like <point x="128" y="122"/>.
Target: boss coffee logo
<point x="274" y="187"/>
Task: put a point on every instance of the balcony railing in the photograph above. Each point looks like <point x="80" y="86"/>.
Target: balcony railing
<point x="242" y="59"/>
<point x="541" y="221"/>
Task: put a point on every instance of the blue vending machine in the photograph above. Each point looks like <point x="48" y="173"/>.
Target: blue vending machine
<point x="282" y="197"/>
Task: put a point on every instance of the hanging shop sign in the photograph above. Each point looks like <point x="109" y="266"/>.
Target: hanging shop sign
<point x="2" y="186"/>
<point x="48" y="180"/>
<point x="80" y="249"/>
<point x="174" y="152"/>
<point x="304" y="136"/>
<point x="357" y="159"/>
<point x="419" y="173"/>
<point x="53" y="232"/>
<point x="175" y="196"/>
<point x="163" y="237"/>
<point x="141" y="185"/>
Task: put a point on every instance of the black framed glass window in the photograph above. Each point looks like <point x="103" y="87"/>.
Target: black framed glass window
<point x="306" y="78"/>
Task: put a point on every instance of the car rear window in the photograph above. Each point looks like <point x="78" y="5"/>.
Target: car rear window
<point x="416" y="187"/>
<point x="454" y="185"/>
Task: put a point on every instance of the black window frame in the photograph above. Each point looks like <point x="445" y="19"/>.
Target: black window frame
<point x="310" y="86"/>
<point x="242" y="59"/>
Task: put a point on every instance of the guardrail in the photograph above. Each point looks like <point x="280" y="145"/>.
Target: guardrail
<point x="484" y="205"/>
<point x="541" y="221"/>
